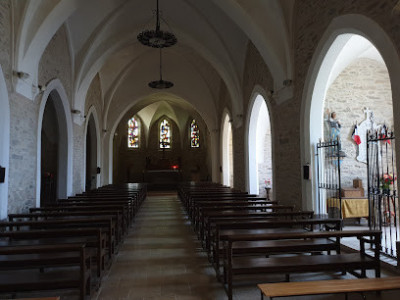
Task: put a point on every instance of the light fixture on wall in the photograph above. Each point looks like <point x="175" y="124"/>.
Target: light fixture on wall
<point x="22" y="75"/>
<point x="41" y="88"/>
<point x="161" y="84"/>
<point x="75" y="111"/>
<point x="287" y="82"/>
<point x="157" y="38"/>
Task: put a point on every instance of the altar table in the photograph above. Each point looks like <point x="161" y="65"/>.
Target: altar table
<point x="351" y="207"/>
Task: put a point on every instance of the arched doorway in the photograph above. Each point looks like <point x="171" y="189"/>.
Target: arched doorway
<point x="91" y="155"/>
<point x="338" y="56"/>
<point x="55" y="166"/>
<point x="319" y="76"/>
<point x="50" y="139"/>
<point x="353" y="85"/>
<point x="259" y="148"/>
<point x="227" y="152"/>
<point x="4" y="145"/>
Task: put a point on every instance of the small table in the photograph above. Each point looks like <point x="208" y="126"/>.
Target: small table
<point x="267" y="189"/>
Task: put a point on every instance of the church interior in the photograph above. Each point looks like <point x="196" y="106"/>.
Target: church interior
<point x="147" y="127"/>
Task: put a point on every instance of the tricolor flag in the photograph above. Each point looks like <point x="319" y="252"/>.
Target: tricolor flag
<point x="356" y="138"/>
<point x="384" y="134"/>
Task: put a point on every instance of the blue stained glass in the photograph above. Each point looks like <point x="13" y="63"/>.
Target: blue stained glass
<point x="194" y="135"/>
<point x="165" y="135"/>
<point x="133" y="133"/>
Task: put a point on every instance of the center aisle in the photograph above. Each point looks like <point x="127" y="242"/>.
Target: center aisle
<point x="161" y="258"/>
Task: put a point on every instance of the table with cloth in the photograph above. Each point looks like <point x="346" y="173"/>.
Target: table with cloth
<point x="351" y="207"/>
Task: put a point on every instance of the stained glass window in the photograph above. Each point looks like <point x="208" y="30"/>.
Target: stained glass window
<point x="165" y="135"/>
<point x="133" y="133"/>
<point x="194" y="135"/>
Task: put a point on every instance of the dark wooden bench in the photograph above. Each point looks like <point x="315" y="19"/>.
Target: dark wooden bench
<point x="122" y="209"/>
<point x="22" y="268"/>
<point x="209" y="218"/>
<point x="91" y="237"/>
<point x="132" y="205"/>
<point x="115" y="214"/>
<point x="245" y="208"/>
<point x="320" y="287"/>
<point x="224" y="230"/>
<point x="349" y="262"/>
<point x="104" y="223"/>
<point x="202" y="205"/>
<point x="195" y="202"/>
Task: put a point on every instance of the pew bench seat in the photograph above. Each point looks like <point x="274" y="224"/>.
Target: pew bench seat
<point x="45" y="267"/>
<point x="320" y="287"/>
<point x="354" y="263"/>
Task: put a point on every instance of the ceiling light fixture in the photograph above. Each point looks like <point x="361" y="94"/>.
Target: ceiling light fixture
<point x="157" y="38"/>
<point x="161" y="84"/>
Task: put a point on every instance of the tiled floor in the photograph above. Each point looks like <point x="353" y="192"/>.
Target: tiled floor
<point x="161" y="258"/>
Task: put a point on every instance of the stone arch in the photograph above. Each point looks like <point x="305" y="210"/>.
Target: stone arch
<point x="4" y="143"/>
<point x="226" y="151"/>
<point x="256" y="125"/>
<point x="317" y="78"/>
<point x="92" y="119"/>
<point x="55" y="90"/>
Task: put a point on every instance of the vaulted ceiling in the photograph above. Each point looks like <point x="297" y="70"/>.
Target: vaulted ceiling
<point x="213" y="36"/>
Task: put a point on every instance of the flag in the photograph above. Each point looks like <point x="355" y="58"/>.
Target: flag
<point x="384" y="134"/>
<point x="356" y="138"/>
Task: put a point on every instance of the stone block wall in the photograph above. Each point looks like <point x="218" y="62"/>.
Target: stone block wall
<point x="5" y="41"/>
<point x="94" y="98"/>
<point x="55" y="63"/>
<point x="23" y="153"/>
<point x="78" y="159"/>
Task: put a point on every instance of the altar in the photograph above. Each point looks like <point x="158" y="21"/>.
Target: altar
<point x="163" y="174"/>
<point x="170" y="176"/>
<point x="351" y="207"/>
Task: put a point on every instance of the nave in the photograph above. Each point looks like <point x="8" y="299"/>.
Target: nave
<point x="161" y="258"/>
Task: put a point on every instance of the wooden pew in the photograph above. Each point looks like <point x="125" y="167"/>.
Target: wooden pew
<point x="246" y="208"/>
<point x="209" y="221"/>
<point x="115" y="214"/>
<point x="192" y="201"/>
<point x="199" y="205"/>
<point x="132" y="205"/>
<point x="104" y="223"/>
<point x="91" y="237"/>
<point x="301" y="263"/>
<point x="224" y="230"/>
<point x="123" y="209"/>
<point x="22" y="268"/>
<point x="336" y="286"/>
<point x="41" y="298"/>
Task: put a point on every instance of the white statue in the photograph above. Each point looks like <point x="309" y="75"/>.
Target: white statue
<point x="363" y="127"/>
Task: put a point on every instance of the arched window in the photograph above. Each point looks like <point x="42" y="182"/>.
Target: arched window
<point x="165" y="135"/>
<point x="194" y="135"/>
<point x="133" y="133"/>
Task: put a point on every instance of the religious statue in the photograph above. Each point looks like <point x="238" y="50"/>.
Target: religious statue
<point x="334" y="125"/>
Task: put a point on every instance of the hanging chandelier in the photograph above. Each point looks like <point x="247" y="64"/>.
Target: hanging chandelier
<point x="161" y="84"/>
<point x="157" y="38"/>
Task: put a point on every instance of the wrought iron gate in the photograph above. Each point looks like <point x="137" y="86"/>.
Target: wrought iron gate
<point x="382" y="188"/>
<point x="329" y="184"/>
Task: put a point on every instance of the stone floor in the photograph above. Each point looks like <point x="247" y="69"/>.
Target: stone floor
<point x="161" y="258"/>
